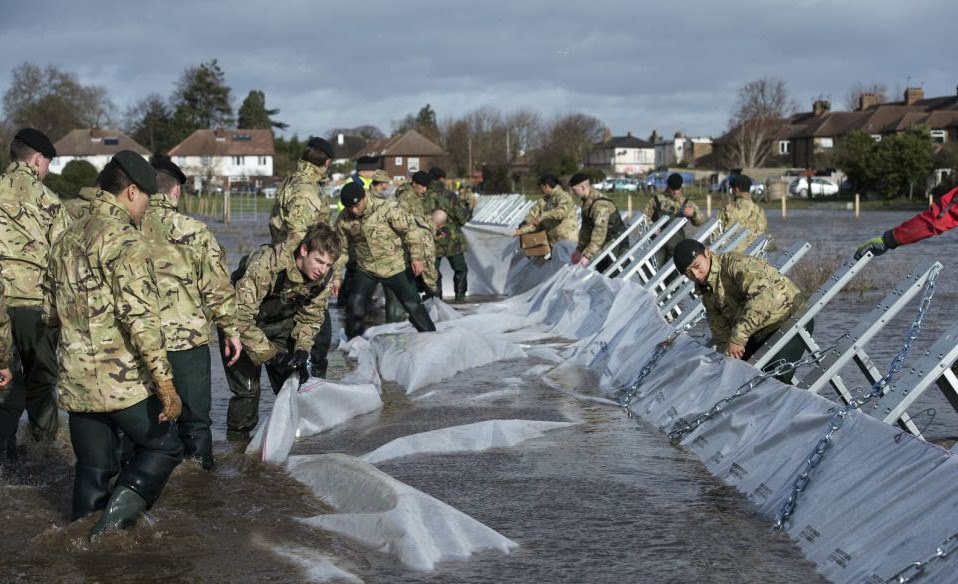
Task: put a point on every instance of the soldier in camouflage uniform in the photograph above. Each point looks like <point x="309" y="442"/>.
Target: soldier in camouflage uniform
<point x="301" y="203"/>
<point x="195" y="288"/>
<point x="412" y="197"/>
<point x="6" y="347"/>
<point x="672" y="203"/>
<point x="114" y="374"/>
<point x="744" y="211"/>
<point x="380" y="233"/>
<point x="366" y="167"/>
<point x="79" y="206"/>
<point x="453" y="247"/>
<point x="31" y="219"/>
<point x="601" y="224"/>
<point x="281" y="301"/>
<point x="746" y="300"/>
<point x="555" y="213"/>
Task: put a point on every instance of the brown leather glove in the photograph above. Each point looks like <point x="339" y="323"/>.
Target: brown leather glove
<point x="169" y="399"/>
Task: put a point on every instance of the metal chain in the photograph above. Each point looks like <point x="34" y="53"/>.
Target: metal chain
<point x="916" y="569"/>
<point x="632" y="390"/>
<point x="681" y="428"/>
<point x="841" y="414"/>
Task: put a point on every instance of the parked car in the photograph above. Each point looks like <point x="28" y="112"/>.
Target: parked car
<point x="656" y="181"/>
<point x="819" y="187"/>
<point x="624" y="184"/>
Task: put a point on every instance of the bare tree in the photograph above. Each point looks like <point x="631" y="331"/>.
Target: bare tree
<point x="759" y="113"/>
<point x="853" y="98"/>
<point x="54" y="101"/>
<point x="566" y="143"/>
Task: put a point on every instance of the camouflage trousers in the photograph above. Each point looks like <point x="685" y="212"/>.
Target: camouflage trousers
<point x="34" y="377"/>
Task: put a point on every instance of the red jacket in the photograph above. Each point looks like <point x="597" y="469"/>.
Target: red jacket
<point x="942" y="216"/>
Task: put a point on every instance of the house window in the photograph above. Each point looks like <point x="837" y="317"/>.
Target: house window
<point x="824" y="142"/>
<point x="262" y="161"/>
<point x="238" y="160"/>
<point x="206" y="160"/>
<point x="413" y="164"/>
<point x="111" y="141"/>
<point x="784" y="146"/>
<point x="399" y="161"/>
<point x="938" y="136"/>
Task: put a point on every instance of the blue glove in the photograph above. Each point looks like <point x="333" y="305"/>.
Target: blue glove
<point x="876" y="245"/>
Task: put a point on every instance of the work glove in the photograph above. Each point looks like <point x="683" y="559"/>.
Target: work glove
<point x="299" y="362"/>
<point x="876" y="245"/>
<point x="169" y="399"/>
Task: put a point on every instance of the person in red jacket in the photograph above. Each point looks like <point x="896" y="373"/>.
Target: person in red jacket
<point x="941" y="217"/>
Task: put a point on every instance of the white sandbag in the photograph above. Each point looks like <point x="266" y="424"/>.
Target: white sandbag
<point x="465" y="438"/>
<point x="389" y="516"/>
<point x="275" y="436"/>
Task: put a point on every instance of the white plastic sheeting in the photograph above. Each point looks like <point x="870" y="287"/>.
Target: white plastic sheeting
<point x="878" y="501"/>
<point x="498" y="267"/>
<point x="313" y="408"/>
<point x="465" y="438"/>
<point x="387" y="515"/>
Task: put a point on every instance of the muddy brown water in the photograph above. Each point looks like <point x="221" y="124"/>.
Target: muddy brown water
<point x="606" y="500"/>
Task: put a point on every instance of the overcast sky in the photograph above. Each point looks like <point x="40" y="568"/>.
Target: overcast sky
<point x="635" y="65"/>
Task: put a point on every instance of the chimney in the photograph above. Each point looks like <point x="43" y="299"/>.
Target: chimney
<point x="340" y="139"/>
<point x="866" y="101"/>
<point x="606" y="135"/>
<point x="913" y="94"/>
<point x="628" y="134"/>
<point x="820" y="107"/>
<point x="654" y="137"/>
<point x="678" y="136"/>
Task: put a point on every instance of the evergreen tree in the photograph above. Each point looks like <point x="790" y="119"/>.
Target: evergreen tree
<point x="202" y="100"/>
<point x="253" y="114"/>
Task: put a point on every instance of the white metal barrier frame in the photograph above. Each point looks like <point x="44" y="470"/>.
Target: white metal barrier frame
<point x="501" y="209"/>
<point x="638" y="228"/>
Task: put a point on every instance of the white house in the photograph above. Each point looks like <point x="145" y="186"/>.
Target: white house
<point x="94" y="145"/>
<point x="226" y="158"/>
<point x="681" y="149"/>
<point x="622" y="155"/>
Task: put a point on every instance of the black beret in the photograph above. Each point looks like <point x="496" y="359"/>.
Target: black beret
<point x="37" y="140"/>
<point x="367" y="163"/>
<point x="685" y="252"/>
<point x="674" y="181"/>
<point x="578" y="178"/>
<point x="422" y="178"/>
<point x="317" y="143"/>
<point x="743" y="183"/>
<point x="549" y="180"/>
<point x="436" y="173"/>
<point x="137" y="169"/>
<point x="351" y="194"/>
<point x="169" y="167"/>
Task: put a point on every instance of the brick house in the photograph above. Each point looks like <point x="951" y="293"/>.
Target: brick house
<point x="404" y="154"/>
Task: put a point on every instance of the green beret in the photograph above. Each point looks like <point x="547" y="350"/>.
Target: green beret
<point x="169" y="167"/>
<point x="137" y="169"/>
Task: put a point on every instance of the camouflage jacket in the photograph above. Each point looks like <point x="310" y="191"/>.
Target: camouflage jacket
<point x="438" y="197"/>
<point x="272" y="290"/>
<point x="599" y="214"/>
<point x="31" y="219"/>
<point x="190" y="268"/>
<point x="100" y="288"/>
<point x="79" y="207"/>
<point x="6" y="334"/>
<point x="376" y="239"/>
<point x="665" y="204"/>
<point x="745" y="297"/>
<point x="557" y="217"/>
<point x="415" y="204"/>
<point x="745" y="212"/>
<point x="300" y="202"/>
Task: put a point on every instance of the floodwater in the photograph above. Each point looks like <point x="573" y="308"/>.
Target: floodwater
<point x="605" y="500"/>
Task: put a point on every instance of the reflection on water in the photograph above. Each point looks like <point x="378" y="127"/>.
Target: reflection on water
<point x="606" y="499"/>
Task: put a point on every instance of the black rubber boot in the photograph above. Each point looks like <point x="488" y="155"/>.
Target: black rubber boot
<point x="419" y="317"/>
<point x="459" y="280"/>
<point x="147" y="473"/>
<point x="8" y="447"/>
<point x="124" y="508"/>
<point x="199" y="446"/>
<point x="91" y="490"/>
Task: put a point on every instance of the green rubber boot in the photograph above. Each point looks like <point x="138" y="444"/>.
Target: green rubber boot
<point x="124" y="508"/>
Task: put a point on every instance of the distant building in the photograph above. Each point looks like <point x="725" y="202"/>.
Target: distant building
<point x="346" y="147"/>
<point x="404" y="154"/>
<point x="226" y="158"/>
<point x="622" y="155"/>
<point x="94" y="145"/>
<point x="681" y="149"/>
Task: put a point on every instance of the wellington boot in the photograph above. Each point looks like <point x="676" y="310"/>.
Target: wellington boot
<point x="460" y="299"/>
<point x="124" y="508"/>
